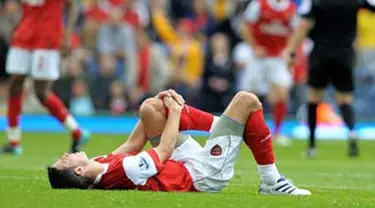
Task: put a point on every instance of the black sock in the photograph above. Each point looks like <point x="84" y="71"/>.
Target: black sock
<point x="348" y="116"/>
<point x="311" y="119"/>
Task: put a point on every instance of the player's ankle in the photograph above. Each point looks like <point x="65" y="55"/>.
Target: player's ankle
<point x="14" y="143"/>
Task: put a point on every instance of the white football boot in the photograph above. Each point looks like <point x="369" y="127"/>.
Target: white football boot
<point x="283" y="140"/>
<point x="282" y="187"/>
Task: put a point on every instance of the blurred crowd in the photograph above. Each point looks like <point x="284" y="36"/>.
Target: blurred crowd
<point x="126" y="50"/>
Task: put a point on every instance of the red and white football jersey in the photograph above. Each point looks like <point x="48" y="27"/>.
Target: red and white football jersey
<point x="300" y="67"/>
<point x="271" y="23"/>
<point x="143" y="171"/>
<point x="41" y="26"/>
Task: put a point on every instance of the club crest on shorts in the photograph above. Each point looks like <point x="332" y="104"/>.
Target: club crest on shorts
<point x="216" y="150"/>
<point x="143" y="165"/>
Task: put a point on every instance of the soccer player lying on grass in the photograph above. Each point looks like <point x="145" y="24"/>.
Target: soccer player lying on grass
<point x="177" y="162"/>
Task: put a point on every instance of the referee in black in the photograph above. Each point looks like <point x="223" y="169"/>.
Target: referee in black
<point x="331" y="25"/>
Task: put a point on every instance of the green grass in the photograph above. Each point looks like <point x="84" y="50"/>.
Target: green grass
<point x="335" y="180"/>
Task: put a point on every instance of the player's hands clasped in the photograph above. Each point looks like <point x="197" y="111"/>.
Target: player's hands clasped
<point x="173" y="94"/>
<point x="172" y="104"/>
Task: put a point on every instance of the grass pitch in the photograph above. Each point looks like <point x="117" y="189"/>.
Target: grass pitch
<point x="335" y="180"/>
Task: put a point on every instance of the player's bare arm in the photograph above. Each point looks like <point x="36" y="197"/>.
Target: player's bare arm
<point x="171" y="93"/>
<point x="251" y="16"/>
<point x="170" y="134"/>
<point x="72" y="19"/>
<point x="300" y="33"/>
<point x="136" y="141"/>
<point x="249" y="39"/>
<point x="304" y="26"/>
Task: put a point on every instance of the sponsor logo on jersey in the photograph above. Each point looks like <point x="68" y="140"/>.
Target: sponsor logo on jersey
<point x="275" y="28"/>
<point x="33" y="2"/>
<point x="143" y="164"/>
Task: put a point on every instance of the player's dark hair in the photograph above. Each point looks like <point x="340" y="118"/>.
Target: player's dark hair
<point x="67" y="179"/>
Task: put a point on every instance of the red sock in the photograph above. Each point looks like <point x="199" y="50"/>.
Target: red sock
<point x="14" y="143"/>
<point x="55" y="107"/>
<point x="77" y="134"/>
<point x="194" y="119"/>
<point x="258" y="138"/>
<point x="280" y="111"/>
<point x="14" y="110"/>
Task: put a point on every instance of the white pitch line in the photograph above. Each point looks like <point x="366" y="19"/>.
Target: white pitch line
<point x="21" y="177"/>
<point x="342" y="187"/>
<point x="339" y="175"/>
<point x="25" y="168"/>
<point x="319" y="174"/>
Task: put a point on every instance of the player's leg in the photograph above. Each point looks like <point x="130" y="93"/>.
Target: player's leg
<point x="318" y="78"/>
<point x="243" y="118"/>
<point x="280" y="80"/>
<point x="343" y="82"/>
<point x="153" y="117"/>
<point x="18" y="64"/>
<point x="45" y="70"/>
<point x="154" y="114"/>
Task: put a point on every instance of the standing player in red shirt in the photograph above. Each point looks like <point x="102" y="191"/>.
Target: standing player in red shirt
<point x="268" y="23"/>
<point x="35" y="51"/>
<point x="178" y="162"/>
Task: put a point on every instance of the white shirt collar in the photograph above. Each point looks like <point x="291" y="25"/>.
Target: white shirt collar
<point x="99" y="177"/>
<point x="282" y="5"/>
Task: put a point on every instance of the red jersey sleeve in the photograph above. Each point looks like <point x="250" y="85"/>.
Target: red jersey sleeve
<point x="139" y="168"/>
<point x="155" y="158"/>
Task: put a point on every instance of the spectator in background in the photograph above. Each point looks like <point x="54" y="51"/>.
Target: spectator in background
<point x="116" y="39"/>
<point x="9" y="18"/>
<point x="366" y="42"/>
<point x="178" y="9"/>
<point x="153" y="70"/>
<point x="299" y="90"/>
<point x="100" y="85"/>
<point x="118" y="101"/>
<point x="72" y="70"/>
<point x="186" y="52"/>
<point x="224" y="12"/>
<point x="222" y="9"/>
<point x="218" y="79"/>
<point x="204" y="23"/>
<point x="249" y="78"/>
<point x="136" y="13"/>
<point x="81" y="103"/>
<point x="94" y="16"/>
<point x="140" y="7"/>
<point x="130" y="15"/>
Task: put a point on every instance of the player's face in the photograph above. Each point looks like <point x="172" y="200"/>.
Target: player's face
<point x="72" y="160"/>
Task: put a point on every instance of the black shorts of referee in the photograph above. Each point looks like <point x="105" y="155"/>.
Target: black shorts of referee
<point x="334" y="67"/>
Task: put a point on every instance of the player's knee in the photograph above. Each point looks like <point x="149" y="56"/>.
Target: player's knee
<point x="315" y="95"/>
<point x="41" y="91"/>
<point x="16" y="84"/>
<point x="150" y="107"/>
<point x="343" y="98"/>
<point x="248" y="101"/>
<point x="279" y="92"/>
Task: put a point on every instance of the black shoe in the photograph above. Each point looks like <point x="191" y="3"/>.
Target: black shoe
<point x="353" y="149"/>
<point x="78" y="145"/>
<point x="6" y="149"/>
<point x="311" y="152"/>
